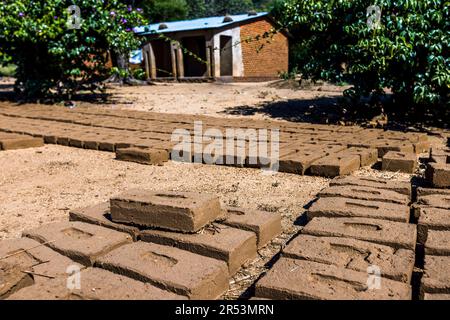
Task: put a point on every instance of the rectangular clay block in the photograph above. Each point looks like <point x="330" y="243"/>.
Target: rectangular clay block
<point x="96" y="284"/>
<point x="335" y="165"/>
<point x="353" y="254"/>
<point x="403" y="187"/>
<point x="20" y="142"/>
<point x="438" y="243"/>
<point x="367" y="156"/>
<point x="441" y="201"/>
<point x="177" y="211"/>
<point x="395" y="234"/>
<point x="431" y="218"/>
<point x="79" y="241"/>
<point x="438" y="174"/>
<point x="31" y="256"/>
<point x="339" y="207"/>
<point x="143" y="155"/>
<point x="306" y="280"/>
<point x="266" y="225"/>
<point x="431" y="191"/>
<point x="365" y="193"/>
<point x="399" y="161"/>
<point x="12" y="279"/>
<point x="100" y="215"/>
<point x="436" y="296"/>
<point x="173" y="269"/>
<point x="299" y="162"/>
<point x="228" y="244"/>
<point x="436" y="278"/>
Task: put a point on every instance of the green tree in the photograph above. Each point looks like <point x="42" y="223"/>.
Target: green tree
<point x="406" y="50"/>
<point x="222" y="7"/>
<point x="165" y="10"/>
<point x="56" y="56"/>
<point x="197" y="8"/>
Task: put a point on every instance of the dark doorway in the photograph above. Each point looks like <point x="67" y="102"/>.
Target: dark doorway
<point x="192" y="66"/>
<point x="226" y="56"/>
<point x="163" y="58"/>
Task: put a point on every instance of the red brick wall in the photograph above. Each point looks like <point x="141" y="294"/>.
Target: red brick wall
<point x="267" y="57"/>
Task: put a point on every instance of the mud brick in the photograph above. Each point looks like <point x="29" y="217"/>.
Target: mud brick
<point x="265" y="225"/>
<point x="366" y="156"/>
<point x="436" y="278"/>
<point x="31" y="256"/>
<point x="20" y="142"/>
<point x="438" y="201"/>
<point x="338" y="207"/>
<point x="422" y="147"/>
<point x="97" y="284"/>
<point x="107" y="144"/>
<point x="399" y="161"/>
<point x="305" y="280"/>
<point x="385" y="145"/>
<point x="438" y="174"/>
<point x="179" y="271"/>
<point x="436" y="296"/>
<point x="234" y="246"/>
<point x="439" y="155"/>
<point x="430" y="191"/>
<point x="177" y="211"/>
<point x="335" y="165"/>
<point x="438" y="243"/>
<point x="100" y="215"/>
<point x="299" y="162"/>
<point x="431" y="218"/>
<point x="365" y="193"/>
<point x="143" y="156"/>
<point x="12" y="279"/>
<point x="353" y="254"/>
<point x="403" y="187"/>
<point x="395" y="234"/>
<point x="79" y="241"/>
<point x="62" y="140"/>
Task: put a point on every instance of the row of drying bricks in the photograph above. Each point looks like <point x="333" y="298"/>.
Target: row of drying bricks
<point x="360" y="243"/>
<point x="304" y="156"/>
<point x="186" y="257"/>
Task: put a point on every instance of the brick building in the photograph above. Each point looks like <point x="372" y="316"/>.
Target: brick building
<point x="234" y="48"/>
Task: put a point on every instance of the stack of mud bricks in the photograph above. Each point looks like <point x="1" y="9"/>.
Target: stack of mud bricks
<point x="145" y="137"/>
<point x="438" y="168"/>
<point x="358" y="244"/>
<point x="140" y="245"/>
<point x="432" y="211"/>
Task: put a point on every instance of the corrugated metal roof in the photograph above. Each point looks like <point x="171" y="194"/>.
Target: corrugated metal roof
<point x="197" y="24"/>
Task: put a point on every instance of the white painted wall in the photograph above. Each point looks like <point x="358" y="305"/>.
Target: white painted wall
<point x="238" y="64"/>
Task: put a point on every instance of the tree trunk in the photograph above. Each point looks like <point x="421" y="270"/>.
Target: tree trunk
<point x="120" y="61"/>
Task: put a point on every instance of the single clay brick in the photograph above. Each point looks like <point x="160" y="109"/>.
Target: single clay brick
<point x="96" y="284"/>
<point x="335" y="165"/>
<point x="100" y="215"/>
<point x="399" y="161"/>
<point x="438" y="201"/>
<point x="367" y="156"/>
<point x="438" y="243"/>
<point x="338" y="207"/>
<point x="395" y="234"/>
<point x="438" y="174"/>
<point x="299" y="162"/>
<point x="385" y="145"/>
<point x="436" y="296"/>
<point x="12" y="279"/>
<point x="32" y="256"/>
<point x="20" y="142"/>
<point x="231" y="245"/>
<point x="177" y="211"/>
<point x="431" y="218"/>
<point x="306" y="280"/>
<point x="403" y="187"/>
<point x="79" y="241"/>
<point x="265" y="225"/>
<point x="436" y="278"/>
<point x="353" y="254"/>
<point x="422" y="147"/>
<point x="143" y="155"/>
<point x="365" y="193"/>
<point x="173" y="269"/>
<point x="431" y="191"/>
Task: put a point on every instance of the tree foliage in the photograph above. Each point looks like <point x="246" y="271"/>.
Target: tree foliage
<point x="51" y="57"/>
<point x="407" y="51"/>
<point x="165" y="10"/>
